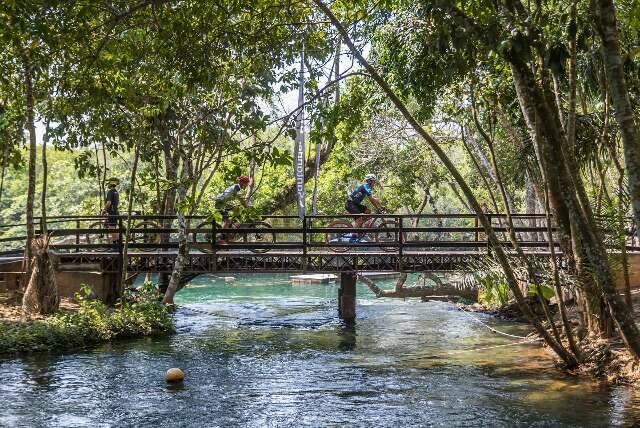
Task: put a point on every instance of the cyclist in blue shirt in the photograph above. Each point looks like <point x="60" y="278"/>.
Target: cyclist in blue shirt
<point x="355" y="199"/>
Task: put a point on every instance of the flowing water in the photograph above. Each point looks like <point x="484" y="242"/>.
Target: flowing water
<point x="261" y="352"/>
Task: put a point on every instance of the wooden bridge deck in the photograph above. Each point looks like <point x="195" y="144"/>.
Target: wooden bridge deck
<point x="411" y="243"/>
<point x="292" y="261"/>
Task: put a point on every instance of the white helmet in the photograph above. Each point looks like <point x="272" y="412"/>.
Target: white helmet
<point x="370" y="177"/>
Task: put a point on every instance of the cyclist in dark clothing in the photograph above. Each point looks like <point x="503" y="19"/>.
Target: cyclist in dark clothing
<point x="112" y="200"/>
<point x="226" y="196"/>
<point x="354" y="201"/>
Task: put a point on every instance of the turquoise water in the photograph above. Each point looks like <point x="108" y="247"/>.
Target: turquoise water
<point x="261" y="352"/>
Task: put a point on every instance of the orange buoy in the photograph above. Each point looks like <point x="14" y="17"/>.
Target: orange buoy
<point x="174" y="375"/>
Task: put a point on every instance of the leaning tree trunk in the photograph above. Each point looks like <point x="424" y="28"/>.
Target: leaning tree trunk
<point x="607" y="26"/>
<point x="589" y="249"/>
<point x="41" y="296"/>
<point x="500" y="255"/>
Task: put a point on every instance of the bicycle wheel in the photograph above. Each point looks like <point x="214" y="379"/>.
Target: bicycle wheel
<point x="385" y="236"/>
<point x="144" y="237"/>
<point x="263" y="234"/>
<point x="99" y="237"/>
<point x="204" y="239"/>
<point x="338" y="237"/>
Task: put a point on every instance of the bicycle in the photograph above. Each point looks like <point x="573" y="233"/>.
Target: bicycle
<point x="138" y="237"/>
<point x="381" y="235"/>
<point x="261" y="235"/>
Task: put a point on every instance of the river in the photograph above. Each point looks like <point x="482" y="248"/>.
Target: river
<point x="261" y="352"/>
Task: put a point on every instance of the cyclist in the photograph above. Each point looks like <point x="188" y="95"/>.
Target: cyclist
<point x="227" y="195"/>
<point x="112" y="200"/>
<point x="354" y="201"/>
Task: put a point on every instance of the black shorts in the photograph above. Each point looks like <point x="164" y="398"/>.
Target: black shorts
<point x="225" y="213"/>
<point x="112" y="220"/>
<point x="355" y="208"/>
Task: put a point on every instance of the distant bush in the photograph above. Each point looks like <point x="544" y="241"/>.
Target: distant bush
<point x="139" y="314"/>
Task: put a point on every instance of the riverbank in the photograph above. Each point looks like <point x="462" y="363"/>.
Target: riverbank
<point x="603" y="359"/>
<point x="82" y="324"/>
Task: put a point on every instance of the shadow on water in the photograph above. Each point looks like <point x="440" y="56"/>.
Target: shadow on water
<point x="260" y="352"/>
<point x="347" y="336"/>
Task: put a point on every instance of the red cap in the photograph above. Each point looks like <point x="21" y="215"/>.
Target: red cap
<point x="243" y="179"/>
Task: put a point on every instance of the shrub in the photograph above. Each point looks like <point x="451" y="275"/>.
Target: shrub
<point x="138" y="314"/>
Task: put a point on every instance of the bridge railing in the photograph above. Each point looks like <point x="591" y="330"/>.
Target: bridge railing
<point x="323" y="233"/>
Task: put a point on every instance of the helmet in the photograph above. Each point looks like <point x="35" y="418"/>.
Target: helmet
<point x="243" y="179"/>
<point x="370" y="177"/>
<point x="113" y="180"/>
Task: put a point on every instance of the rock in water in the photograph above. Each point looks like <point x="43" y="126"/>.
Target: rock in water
<point x="174" y="375"/>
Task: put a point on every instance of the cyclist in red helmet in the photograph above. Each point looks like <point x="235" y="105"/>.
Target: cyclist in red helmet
<point x="229" y="194"/>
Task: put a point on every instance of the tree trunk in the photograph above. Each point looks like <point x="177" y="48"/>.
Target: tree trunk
<point x="171" y="175"/>
<point x="558" y="95"/>
<point x="43" y="195"/>
<point x="566" y="325"/>
<point x="481" y="170"/>
<point x="623" y="246"/>
<point x="41" y="295"/>
<point x="101" y="191"/>
<point x="531" y="204"/>
<point x="456" y="192"/>
<point x="589" y="250"/>
<point x="175" y="283"/>
<point x="573" y="80"/>
<point x="607" y="27"/>
<point x="486" y="165"/>
<point x="5" y="150"/>
<point x="31" y="187"/>
<point x="434" y="209"/>
<point x="127" y="236"/>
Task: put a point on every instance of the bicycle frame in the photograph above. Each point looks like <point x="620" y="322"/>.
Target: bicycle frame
<point x="368" y="223"/>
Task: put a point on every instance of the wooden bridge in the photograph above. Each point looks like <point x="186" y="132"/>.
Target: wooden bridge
<point x="398" y="243"/>
<point x="86" y="252"/>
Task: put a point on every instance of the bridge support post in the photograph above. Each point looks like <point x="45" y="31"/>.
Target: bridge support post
<point x="347" y="296"/>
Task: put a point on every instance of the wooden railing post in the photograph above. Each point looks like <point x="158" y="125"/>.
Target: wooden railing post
<point x="304" y="243"/>
<point x="487" y="235"/>
<point x="214" y="246"/>
<point x="77" y="236"/>
<point x="123" y="268"/>
<point x="476" y="224"/>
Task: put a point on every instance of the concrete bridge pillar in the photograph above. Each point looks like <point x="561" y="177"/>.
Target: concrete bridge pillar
<point x="347" y="296"/>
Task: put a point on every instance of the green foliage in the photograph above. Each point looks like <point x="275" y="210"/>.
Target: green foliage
<point x="546" y="291"/>
<point x="92" y="323"/>
<point x="69" y="192"/>
<point x="494" y="290"/>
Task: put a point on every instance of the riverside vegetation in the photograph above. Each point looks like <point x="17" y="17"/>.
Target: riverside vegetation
<point x="138" y="314"/>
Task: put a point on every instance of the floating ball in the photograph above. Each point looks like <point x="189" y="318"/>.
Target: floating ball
<point x="174" y="375"/>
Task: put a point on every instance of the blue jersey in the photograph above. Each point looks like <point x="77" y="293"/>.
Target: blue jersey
<point x="361" y="192"/>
